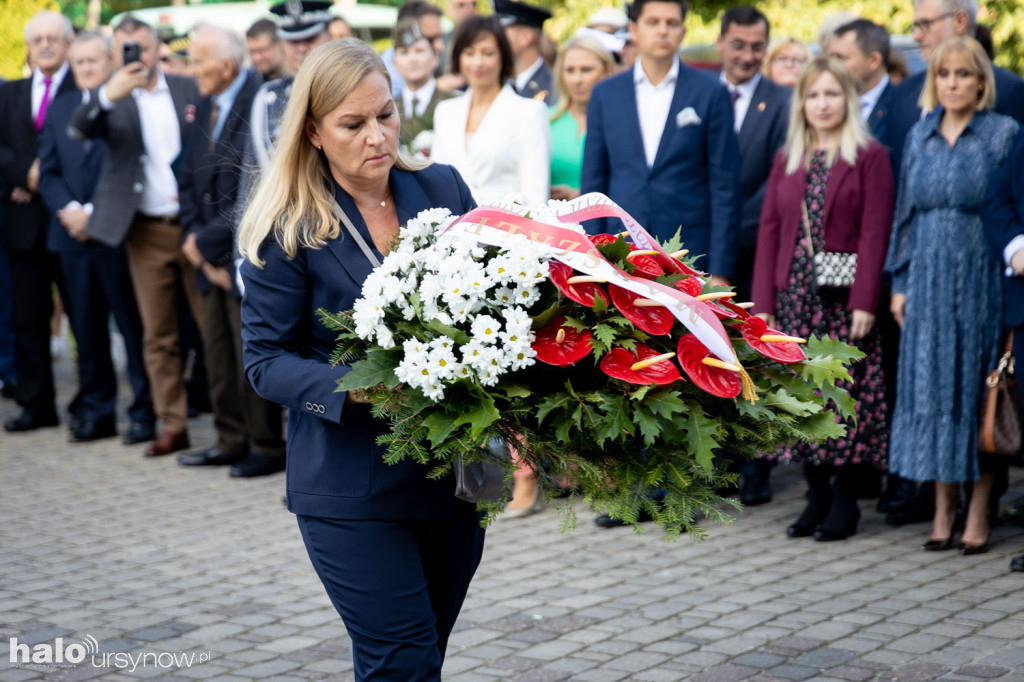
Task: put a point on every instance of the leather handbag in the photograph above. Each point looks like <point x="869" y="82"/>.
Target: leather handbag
<point x="1000" y="419"/>
<point x="832" y="269"/>
<point x="484" y="479"/>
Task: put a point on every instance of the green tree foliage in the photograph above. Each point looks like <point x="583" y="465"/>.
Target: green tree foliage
<point x="16" y="14"/>
<point x="801" y="19"/>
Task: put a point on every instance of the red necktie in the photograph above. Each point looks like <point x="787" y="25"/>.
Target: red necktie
<point x="41" y="116"/>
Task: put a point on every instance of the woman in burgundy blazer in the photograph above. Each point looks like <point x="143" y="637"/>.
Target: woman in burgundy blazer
<point x="833" y="181"/>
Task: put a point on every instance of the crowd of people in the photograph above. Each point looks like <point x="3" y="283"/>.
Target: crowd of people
<point x="195" y="201"/>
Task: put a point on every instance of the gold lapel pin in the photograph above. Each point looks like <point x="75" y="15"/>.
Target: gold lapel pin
<point x="760" y="106"/>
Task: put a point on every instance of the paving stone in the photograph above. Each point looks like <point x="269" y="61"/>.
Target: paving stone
<point x="918" y="643"/>
<point x="790" y="671"/>
<point x="726" y="673"/>
<point x="983" y="671"/>
<point x="852" y="673"/>
<point x="916" y="672"/>
<point x="759" y="660"/>
<point x="824" y="658"/>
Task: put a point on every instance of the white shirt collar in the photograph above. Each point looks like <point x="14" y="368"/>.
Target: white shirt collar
<point x="746" y="88"/>
<point x="55" y="80"/>
<point x="422" y="96"/>
<point x="640" y="76"/>
<point x="523" y="79"/>
<point x="870" y="98"/>
<point x="161" y="86"/>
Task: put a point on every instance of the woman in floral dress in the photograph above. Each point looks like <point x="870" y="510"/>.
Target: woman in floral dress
<point x="834" y="183"/>
<point x="947" y="286"/>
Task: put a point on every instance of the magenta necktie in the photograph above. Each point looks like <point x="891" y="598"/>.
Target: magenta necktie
<point x="41" y="116"/>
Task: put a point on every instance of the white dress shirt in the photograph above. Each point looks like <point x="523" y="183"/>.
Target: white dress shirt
<point x="746" y="95"/>
<point x="422" y="97"/>
<point x="870" y="98"/>
<point x="39" y="87"/>
<point x="161" y="139"/>
<point x="653" y="103"/>
<point x="523" y="79"/>
<point x="1015" y="245"/>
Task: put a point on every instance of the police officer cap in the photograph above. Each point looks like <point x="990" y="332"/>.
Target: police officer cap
<point x="512" y="13"/>
<point x="407" y="32"/>
<point x="301" y="19"/>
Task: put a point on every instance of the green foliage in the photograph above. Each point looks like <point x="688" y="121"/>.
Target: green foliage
<point x="801" y="19"/>
<point x="16" y="14"/>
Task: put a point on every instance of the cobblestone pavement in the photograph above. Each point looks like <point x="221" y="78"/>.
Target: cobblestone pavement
<point x="147" y="557"/>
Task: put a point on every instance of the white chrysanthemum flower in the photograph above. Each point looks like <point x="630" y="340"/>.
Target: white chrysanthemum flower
<point x="442" y="362"/>
<point x="485" y="329"/>
<point x="517" y="320"/>
<point x="526" y="295"/>
<point x="504" y="296"/>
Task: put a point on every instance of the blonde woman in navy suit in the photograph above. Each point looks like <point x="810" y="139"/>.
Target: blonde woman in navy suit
<point x="394" y="549"/>
<point x="499" y="141"/>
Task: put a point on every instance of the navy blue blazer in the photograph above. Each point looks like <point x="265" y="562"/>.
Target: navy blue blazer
<point x="1003" y="217"/>
<point x="335" y="469"/>
<point x="761" y="135"/>
<point x="67" y="172"/>
<point x="906" y="111"/>
<point x="208" y="182"/>
<point x="695" y="181"/>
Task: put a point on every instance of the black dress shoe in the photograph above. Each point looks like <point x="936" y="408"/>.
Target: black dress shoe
<point x="139" y="432"/>
<point x="606" y="521"/>
<point x="214" y="456"/>
<point x="840" y="524"/>
<point x="752" y="496"/>
<point x="9" y="387"/>
<point x="28" y="421"/>
<point x="1017" y="564"/>
<point x="257" y="464"/>
<point x="88" y="431"/>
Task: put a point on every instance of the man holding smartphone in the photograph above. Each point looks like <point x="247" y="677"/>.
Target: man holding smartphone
<point x="143" y="115"/>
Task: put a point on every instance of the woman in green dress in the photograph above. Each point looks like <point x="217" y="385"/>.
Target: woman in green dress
<point x="582" y="64"/>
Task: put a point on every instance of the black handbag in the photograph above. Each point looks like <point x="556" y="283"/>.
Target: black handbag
<point x="484" y="480"/>
<point x="831" y="269"/>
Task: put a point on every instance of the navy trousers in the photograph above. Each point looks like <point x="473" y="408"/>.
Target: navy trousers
<point x="398" y="585"/>
<point x="98" y="286"/>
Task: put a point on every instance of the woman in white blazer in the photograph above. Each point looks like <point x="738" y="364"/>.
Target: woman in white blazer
<point x="499" y="142"/>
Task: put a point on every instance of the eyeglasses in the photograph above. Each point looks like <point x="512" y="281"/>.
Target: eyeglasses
<point x="787" y="60"/>
<point x="925" y="25"/>
<point x="740" y="46"/>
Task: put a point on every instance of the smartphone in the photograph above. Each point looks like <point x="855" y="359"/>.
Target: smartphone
<point x="131" y="52"/>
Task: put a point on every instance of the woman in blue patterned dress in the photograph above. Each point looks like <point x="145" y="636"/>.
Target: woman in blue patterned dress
<point x="833" y="183"/>
<point x="947" y="289"/>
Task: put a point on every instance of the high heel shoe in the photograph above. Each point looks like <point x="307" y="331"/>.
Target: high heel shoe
<point x="970" y="548"/>
<point x="943" y="544"/>
<point x="535" y="506"/>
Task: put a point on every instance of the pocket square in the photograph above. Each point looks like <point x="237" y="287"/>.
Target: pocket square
<point x="687" y="117"/>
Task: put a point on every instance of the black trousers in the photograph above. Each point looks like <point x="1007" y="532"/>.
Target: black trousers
<point x="98" y="286"/>
<point x="398" y="585"/>
<point x="31" y="277"/>
<point x="245" y="422"/>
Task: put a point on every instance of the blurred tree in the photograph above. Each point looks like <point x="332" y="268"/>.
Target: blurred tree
<point x="801" y="18"/>
<point x="16" y="14"/>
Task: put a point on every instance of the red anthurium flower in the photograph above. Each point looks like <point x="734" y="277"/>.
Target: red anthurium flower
<point x="598" y="239"/>
<point x="583" y="293"/>
<point x="724" y="383"/>
<point x="645" y="264"/>
<point x="691" y="285"/>
<point x="787" y="352"/>
<point x="561" y="346"/>
<point x="655" y="320"/>
<point x="670" y="264"/>
<point x="618" y="363"/>
<point x="741" y="313"/>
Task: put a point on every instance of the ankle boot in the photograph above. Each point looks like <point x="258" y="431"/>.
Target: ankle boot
<point x="819" y="500"/>
<point x="844" y="515"/>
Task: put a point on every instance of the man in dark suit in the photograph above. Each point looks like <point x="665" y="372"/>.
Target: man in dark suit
<point x="23" y="109"/>
<point x="144" y="116"/>
<point x="760" y="119"/>
<point x="936" y="21"/>
<point x="1003" y="216"/>
<point x="98" y="283"/>
<point x="660" y="143"/>
<point x="523" y="26"/>
<point x="249" y="428"/>
<point x="415" y="60"/>
<point x="864" y="47"/>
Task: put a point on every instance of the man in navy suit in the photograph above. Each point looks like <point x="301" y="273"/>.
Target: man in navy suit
<point x="660" y="143"/>
<point x="1003" y="216"/>
<point x="97" y="277"/>
<point x="23" y="107"/>
<point x="249" y="429"/>
<point x="936" y="21"/>
<point x="864" y="47"/>
<point x="760" y="119"/>
<point x="524" y="24"/>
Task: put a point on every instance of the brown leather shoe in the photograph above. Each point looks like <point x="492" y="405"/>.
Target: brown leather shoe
<point x="168" y="442"/>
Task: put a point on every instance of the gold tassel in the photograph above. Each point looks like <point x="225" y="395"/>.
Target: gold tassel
<point x="749" y="392"/>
